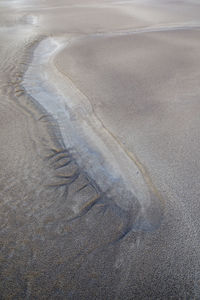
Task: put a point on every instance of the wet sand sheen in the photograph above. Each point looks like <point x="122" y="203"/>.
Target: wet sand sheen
<point x="98" y="151"/>
<point x="66" y="231"/>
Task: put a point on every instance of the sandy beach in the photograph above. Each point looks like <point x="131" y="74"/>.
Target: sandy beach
<point x="99" y="149"/>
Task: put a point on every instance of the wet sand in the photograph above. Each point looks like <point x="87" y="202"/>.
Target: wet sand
<point x="99" y="177"/>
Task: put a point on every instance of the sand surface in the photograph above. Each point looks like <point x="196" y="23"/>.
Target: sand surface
<point x="99" y="149"/>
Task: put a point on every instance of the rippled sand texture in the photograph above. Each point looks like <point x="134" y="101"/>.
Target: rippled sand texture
<point x="62" y="234"/>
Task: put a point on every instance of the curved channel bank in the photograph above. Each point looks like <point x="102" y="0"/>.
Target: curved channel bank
<point x="94" y="147"/>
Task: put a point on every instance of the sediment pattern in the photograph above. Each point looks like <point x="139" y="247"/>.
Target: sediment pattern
<point x="61" y="235"/>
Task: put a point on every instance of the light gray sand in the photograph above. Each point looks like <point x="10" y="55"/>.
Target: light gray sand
<point x="147" y="95"/>
<point x="63" y="236"/>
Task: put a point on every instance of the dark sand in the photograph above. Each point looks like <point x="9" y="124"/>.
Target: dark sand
<point x="61" y="235"/>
